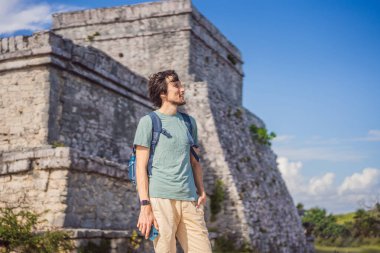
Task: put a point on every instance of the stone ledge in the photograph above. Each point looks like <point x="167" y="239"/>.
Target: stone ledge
<point x="120" y="13"/>
<point x="130" y="13"/>
<point x="97" y="233"/>
<point x="48" y="48"/>
<point x="100" y="233"/>
<point x="48" y="158"/>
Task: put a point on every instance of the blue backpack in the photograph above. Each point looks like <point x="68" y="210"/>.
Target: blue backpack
<point x="156" y="130"/>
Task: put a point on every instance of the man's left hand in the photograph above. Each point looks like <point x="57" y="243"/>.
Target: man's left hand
<point x="202" y="199"/>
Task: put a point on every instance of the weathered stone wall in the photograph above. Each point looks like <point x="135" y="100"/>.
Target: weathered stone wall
<point x="91" y="118"/>
<point x="91" y="105"/>
<point x="24" y="108"/>
<point x="53" y="90"/>
<point x="215" y="60"/>
<point x="27" y="181"/>
<point x="146" y="37"/>
<point x="82" y="191"/>
<point x="215" y="165"/>
<point x="24" y="92"/>
<point x="259" y="208"/>
<point x="150" y="37"/>
<point x="87" y="195"/>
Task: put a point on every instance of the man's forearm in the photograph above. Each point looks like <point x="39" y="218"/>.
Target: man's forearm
<point x="142" y="183"/>
<point x="198" y="177"/>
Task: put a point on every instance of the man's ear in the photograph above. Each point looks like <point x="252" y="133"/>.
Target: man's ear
<point x="163" y="96"/>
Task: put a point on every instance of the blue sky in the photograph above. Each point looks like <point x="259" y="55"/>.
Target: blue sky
<point x="312" y="73"/>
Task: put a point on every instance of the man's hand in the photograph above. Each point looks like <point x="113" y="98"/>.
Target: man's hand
<point x="146" y="219"/>
<point x="202" y="199"/>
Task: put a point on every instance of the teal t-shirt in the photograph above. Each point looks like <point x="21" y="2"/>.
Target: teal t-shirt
<point x="172" y="174"/>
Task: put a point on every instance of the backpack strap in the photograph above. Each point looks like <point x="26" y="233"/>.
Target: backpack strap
<point x="156" y="130"/>
<point x="190" y="135"/>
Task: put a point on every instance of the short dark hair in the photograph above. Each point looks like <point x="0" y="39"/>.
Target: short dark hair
<point x="157" y="84"/>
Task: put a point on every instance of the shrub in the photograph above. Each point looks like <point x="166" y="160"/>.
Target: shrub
<point x="56" y="144"/>
<point x="261" y="135"/>
<point x="217" y="198"/>
<point x="17" y="233"/>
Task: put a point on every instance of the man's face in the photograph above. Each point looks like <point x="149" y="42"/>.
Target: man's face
<point x="176" y="92"/>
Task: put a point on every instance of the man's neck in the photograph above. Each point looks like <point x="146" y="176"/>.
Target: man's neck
<point x="168" y="109"/>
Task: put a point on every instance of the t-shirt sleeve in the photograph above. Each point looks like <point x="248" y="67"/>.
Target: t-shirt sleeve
<point x="143" y="136"/>
<point x="195" y="130"/>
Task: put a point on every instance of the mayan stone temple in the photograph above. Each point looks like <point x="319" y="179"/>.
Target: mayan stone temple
<point x="70" y="101"/>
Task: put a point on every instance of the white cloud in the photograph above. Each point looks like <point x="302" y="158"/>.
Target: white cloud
<point x="23" y="15"/>
<point x="298" y="184"/>
<point x="372" y="136"/>
<point x="319" y="153"/>
<point x="290" y="171"/>
<point x="324" y="149"/>
<point x="283" y="138"/>
<point x="363" y="182"/>
<point x="321" y="185"/>
<point x="323" y="192"/>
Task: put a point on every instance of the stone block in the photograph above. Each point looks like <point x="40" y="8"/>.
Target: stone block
<point x="18" y="166"/>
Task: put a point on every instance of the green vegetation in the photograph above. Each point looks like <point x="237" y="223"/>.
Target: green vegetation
<point x="238" y="113"/>
<point x="229" y="111"/>
<point x="91" y="37"/>
<point x="300" y="206"/>
<point x="245" y="159"/>
<point x="216" y="199"/>
<point x="361" y="249"/>
<point x="227" y="244"/>
<point x="213" y="229"/>
<point x="17" y="233"/>
<point x="360" y="229"/>
<point x="56" y="144"/>
<point x="135" y="240"/>
<point x="232" y="59"/>
<point x="324" y="226"/>
<point x="261" y="135"/>
<point x="343" y="218"/>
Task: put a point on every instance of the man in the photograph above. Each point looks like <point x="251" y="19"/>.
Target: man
<point x="173" y="198"/>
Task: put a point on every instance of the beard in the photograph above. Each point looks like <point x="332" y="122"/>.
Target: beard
<point x="179" y="103"/>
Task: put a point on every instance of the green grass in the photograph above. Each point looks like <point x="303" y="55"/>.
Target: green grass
<point x="362" y="249"/>
<point x="326" y="249"/>
<point x="342" y="218"/>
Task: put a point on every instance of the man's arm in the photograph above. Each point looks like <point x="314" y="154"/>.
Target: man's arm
<point x="146" y="217"/>
<point x="142" y="157"/>
<point x="197" y="169"/>
<point x="198" y="172"/>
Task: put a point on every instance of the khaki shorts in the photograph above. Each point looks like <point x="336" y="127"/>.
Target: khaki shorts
<point x="181" y="219"/>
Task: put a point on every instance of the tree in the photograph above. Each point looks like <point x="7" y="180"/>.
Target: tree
<point x="324" y="226"/>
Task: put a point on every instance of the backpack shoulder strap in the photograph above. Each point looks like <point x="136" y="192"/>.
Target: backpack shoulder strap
<point x="156" y="130"/>
<point x="190" y="134"/>
<point x="186" y="117"/>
